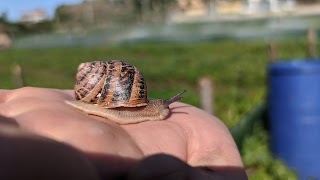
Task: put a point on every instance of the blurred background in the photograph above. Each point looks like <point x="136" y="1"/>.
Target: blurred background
<point x="218" y="50"/>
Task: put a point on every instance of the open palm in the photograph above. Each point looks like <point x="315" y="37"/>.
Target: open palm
<point x="189" y="135"/>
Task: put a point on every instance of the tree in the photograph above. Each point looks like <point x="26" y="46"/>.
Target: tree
<point x="138" y="8"/>
<point x="4" y="17"/>
<point x="151" y="9"/>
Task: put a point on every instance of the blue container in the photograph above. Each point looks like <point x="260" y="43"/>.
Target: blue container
<point x="294" y="114"/>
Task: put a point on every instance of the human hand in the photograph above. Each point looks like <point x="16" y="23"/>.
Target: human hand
<point x="188" y="140"/>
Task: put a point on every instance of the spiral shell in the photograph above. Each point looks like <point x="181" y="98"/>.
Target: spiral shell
<point x="110" y="84"/>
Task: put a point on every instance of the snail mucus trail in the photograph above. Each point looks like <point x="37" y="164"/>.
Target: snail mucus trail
<point x="117" y="91"/>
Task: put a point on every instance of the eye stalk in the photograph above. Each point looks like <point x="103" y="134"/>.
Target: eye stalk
<point x="175" y="98"/>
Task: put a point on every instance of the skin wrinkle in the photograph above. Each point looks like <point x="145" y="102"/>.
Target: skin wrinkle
<point x="190" y="132"/>
<point x="140" y="144"/>
<point x="158" y="146"/>
<point x="4" y="96"/>
<point x="87" y="136"/>
<point x="177" y="128"/>
<point x="185" y="138"/>
<point x="143" y="144"/>
<point x="4" y="110"/>
<point x="114" y="137"/>
<point x="183" y="132"/>
<point x="200" y="156"/>
<point x="95" y="131"/>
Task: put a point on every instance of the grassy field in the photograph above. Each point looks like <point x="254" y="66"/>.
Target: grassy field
<point x="238" y="70"/>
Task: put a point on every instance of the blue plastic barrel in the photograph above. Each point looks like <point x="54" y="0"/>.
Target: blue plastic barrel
<point x="294" y="115"/>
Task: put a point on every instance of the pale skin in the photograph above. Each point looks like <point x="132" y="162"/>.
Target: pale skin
<point x="188" y="144"/>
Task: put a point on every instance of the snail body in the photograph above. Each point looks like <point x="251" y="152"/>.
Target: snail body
<point x="117" y="91"/>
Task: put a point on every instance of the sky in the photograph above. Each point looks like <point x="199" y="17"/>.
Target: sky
<point x="15" y="8"/>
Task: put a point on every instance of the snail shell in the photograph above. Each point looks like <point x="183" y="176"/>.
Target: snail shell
<point x="117" y="91"/>
<point x="110" y="84"/>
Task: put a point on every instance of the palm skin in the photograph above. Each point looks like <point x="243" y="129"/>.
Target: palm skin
<point x="189" y="138"/>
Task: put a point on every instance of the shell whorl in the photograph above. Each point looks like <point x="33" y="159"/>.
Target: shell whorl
<point x="110" y="84"/>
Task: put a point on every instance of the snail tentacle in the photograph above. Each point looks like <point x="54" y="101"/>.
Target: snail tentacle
<point x="175" y="98"/>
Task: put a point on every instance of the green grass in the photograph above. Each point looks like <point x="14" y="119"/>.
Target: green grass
<point x="238" y="70"/>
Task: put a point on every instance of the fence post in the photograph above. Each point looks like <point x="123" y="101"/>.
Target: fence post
<point x="17" y="75"/>
<point x="206" y="94"/>
<point x="272" y="52"/>
<point x="312" y="43"/>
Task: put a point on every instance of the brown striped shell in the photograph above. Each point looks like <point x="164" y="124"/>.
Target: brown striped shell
<point x="110" y="84"/>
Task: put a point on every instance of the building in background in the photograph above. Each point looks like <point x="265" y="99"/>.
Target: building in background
<point x="269" y="6"/>
<point x="34" y="16"/>
<point x="217" y="8"/>
<point x="192" y="7"/>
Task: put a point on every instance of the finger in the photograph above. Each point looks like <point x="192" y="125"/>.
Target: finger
<point x="165" y="167"/>
<point x="44" y="93"/>
<point x="25" y="156"/>
<point x="159" y="167"/>
<point x="18" y="101"/>
<point x="17" y="106"/>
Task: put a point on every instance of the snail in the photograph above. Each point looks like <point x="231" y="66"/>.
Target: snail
<point x="117" y="91"/>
